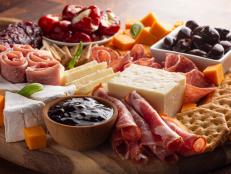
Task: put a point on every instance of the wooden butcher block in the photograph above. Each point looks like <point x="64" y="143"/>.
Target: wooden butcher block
<point x="59" y="160"/>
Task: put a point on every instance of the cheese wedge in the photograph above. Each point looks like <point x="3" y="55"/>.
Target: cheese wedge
<point x="20" y="112"/>
<point x="74" y="75"/>
<point x="92" y="77"/>
<point x="94" y="62"/>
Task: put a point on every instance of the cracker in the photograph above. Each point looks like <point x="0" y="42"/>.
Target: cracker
<point x="221" y="93"/>
<point x="210" y="124"/>
<point x="227" y="76"/>
<point x="223" y="102"/>
<point x="220" y="109"/>
<point x="226" y="84"/>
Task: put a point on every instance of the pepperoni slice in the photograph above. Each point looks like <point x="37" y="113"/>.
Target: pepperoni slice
<point x="137" y="51"/>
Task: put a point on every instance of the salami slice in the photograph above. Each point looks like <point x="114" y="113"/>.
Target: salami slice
<point x="193" y="144"/>
<point x="48" y="73"/>
<point x="148" y="62"/>
<point x="13" y="66"/>
<point x="162" y="134"/>
<point x="25" y="49"/>
<point x="37" y="57"/>
<point x="137" y="51"/>
<point x="125" y="122"/>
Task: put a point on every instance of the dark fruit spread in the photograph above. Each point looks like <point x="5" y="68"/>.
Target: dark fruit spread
<point x="80" y="111"/>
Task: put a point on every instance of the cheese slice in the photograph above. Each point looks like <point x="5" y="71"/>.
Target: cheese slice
<point x="92" y="77"/>
<point x="163" y="90"/>
<point x="20" y="112"/>
<point x="89" y="64"/>
<point x="74" y="75"/>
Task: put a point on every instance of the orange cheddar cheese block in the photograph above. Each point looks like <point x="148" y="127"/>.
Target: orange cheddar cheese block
<point x="129" y="23"/>
<point x="160" y="29"/>
<point x="214" y="74"/>
<point x="188" y="106"/>
<point x="146" y="37"/>
<point x="149" y="19"/>
<point x="35" y="137"/>
<point x="123" y="41"/>
<point x="127" y="32"/>
<point x="2" y="101"/>
<point x="147" y="51"/>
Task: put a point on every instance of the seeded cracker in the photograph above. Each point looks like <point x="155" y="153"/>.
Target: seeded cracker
<point x="210" y="124"/>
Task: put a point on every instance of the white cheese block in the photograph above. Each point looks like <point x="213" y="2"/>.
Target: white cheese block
<point x="89" y="64"/>
<point x="8" y="86"/>
<point x="74" y="75"/>
<point x="163" y="90"/>
<point x="20" y="112"/>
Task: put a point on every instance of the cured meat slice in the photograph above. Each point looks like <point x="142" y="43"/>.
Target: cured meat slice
<point x="95" y="53"/>
<point x="163" y="135"/>
<point x="37" y="57"/>
<point x="178" y="63"/>
<point x="13" y="66"/>
<point x="148" y="62"/>
<point x="119" y="146"/>
<point x="193" y="144"/>
<point x="25" y="49"/>
<point x="121" y="63"/>
<point x="48" y="73"/>
<point x="3" y="48"/>
<point x="125" y="122"/>
<point x="147" y="140"/>
<point x="137" y="51"/>
<point x="193" y="94"/>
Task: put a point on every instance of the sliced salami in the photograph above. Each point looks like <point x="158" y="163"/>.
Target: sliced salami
<point x="137" y="51"/>
<point x="148" y="62"/>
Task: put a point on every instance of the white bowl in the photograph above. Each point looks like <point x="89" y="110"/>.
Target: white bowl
<point x="160" y="53"/>
<point x="99" y="42"/>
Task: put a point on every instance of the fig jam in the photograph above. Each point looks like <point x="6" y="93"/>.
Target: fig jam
<point x="80" y="111"/>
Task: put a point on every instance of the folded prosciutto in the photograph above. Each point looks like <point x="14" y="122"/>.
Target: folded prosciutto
<point x="125" y="122"/>
<point x="163" y="135"/>
<point x="13" y="66"/>
<point x="48" y="73"/>
<point x="36" y="57"/>
<point x="193" y="144"/>
<point x="25" y="49"/>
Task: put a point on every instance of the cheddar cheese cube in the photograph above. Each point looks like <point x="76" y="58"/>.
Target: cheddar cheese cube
<point x="160" y="29"/>
<point x="129" y="23"/>
<point x="188" y="106"/>
<point x="149" y="19"/>
<point x="2" y="101"/>
<point x="127" y="32"/>
<point x="35" y="137"/>
<point x="214" y="74"/>
<point x="123" y="41"/>
<point x="146" y="37"/>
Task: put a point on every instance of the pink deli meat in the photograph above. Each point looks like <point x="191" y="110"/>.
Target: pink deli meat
<point x="13" y="66"/>
<point x="48" y="73"/>
<point x="37" y="57"/>
<point x="25" y="49"/>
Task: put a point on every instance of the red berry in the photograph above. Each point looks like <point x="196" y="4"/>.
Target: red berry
<point x="47" y="22"/>
<point x="62" y="27"/>
<point x="70" y="11"/>
<point x="79" y="36"/>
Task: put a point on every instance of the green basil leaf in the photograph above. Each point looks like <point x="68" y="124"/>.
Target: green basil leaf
<point x="30" y="89"/>
<point x="76" y="57"/>
<point x="135" y="29"/>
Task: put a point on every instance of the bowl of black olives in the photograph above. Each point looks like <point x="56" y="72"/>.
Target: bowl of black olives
<point x="203" y="44"/>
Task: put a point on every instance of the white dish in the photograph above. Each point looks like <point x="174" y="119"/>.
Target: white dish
<point x="160" y="53"/>
<point x="99" y="42"/>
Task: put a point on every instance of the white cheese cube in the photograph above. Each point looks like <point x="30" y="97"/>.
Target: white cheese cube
<point x="163" y="90"/>
<point x="20" y="112"/>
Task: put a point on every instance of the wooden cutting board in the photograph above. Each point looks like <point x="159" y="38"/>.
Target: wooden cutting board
<point x="59" y="160"/>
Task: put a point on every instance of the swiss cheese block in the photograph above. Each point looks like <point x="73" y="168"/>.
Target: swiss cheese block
<point x="20" y="112"/>
<point x="79" y="73"/>
<point x="35" y="137"/>
<point x="149" y="19"/>
<point x="146" y="37"/>
<point x="214" y="73"/>
<point x="163" y="90"/>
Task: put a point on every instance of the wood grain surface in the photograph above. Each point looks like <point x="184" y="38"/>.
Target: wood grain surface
<point x="213" y="12"/>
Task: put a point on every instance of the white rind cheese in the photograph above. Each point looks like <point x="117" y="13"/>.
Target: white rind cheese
<point x="20" y="112"/>
<point x="163" y="90"/>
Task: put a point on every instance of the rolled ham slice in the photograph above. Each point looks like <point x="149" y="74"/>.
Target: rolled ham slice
<point x="162" y="133"/>
<point x="25" y="49"/>
<point x="37" y="57"/>
<point x="125" y="122"/>
<point x="49" y="73"/>
<point x="193" y="144"/>
<point x="147" y="140"/>
<point x="3" y="48"/>
<point x="13" y="66"/>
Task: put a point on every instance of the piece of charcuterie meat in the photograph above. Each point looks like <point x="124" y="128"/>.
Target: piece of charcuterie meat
<point x="137" y="51"/>
<point x="37" y="57"/>
<point x="25" y="49"/>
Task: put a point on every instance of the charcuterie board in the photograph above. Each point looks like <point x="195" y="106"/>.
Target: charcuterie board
<point x="59" y="160"/>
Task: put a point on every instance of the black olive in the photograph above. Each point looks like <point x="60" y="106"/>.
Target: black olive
<point x="197" y="41"/>
<point x="197" y="30"/>
<point x="206" y="47"/>
<point x="191" y="24"/>
<point x="198" y="52"/>
<point x="226" y="45"/>
<point x="184" y="33"/>
<point x="210" y="35"/>
<point x="183" y="45"/>
<point x="222" y="32"/>
<point x="216" y="52"/>
<point x="169" y="42"/>
<point x="228" y="37"/>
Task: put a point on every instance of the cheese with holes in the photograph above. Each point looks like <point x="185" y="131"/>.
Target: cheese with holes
<point x="20" y="112"/>
<point x="163" y="90"/>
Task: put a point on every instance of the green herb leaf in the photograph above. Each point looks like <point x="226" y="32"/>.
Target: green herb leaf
<point x="30" y="89"/>
<point x="135" y="29"/>
<point x="76" y="57"/>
